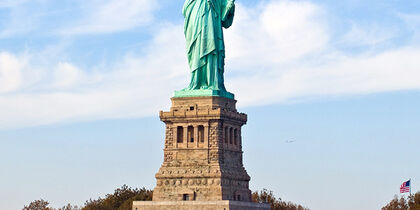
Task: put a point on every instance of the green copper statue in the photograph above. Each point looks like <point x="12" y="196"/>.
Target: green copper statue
<point x="204" y="20"/>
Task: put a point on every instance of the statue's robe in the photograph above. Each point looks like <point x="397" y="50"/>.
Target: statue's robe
<point x="204" y="20"/>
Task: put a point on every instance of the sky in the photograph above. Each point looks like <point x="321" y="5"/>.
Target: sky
<point x="331" y="89"/>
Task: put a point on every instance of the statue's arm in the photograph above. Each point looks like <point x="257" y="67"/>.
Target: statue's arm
<point x="228" y="13"/>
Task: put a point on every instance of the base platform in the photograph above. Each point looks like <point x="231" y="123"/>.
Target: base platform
<point x="199" y="205"/>
<point x="198" y="93"/>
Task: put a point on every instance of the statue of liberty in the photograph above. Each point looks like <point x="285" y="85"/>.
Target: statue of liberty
<point x="204" y="20"/>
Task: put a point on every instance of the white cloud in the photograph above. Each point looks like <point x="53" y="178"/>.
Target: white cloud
<point x="112" y="16"/>
<point x="388" y="71"/>
<point x="283" y="50"/>
<point x="10" y="72"/>
<point x="275" y="33"/>
<point x="67" y="75"/>
<point x="135" y="87"/>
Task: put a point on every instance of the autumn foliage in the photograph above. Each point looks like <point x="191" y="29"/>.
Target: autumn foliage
<point x="265" y="196"/>
<point x="412" y="202"/>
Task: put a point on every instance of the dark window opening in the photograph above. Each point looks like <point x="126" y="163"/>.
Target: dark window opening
<point x="191" y="133"/>
<point x="186" y="197"/>
<point x="180" y="134"/>
<point x="231" y="136"/>
<point x="235" y="134"/>
<point x="201" y="133"/>
<point x="226" y="134"/>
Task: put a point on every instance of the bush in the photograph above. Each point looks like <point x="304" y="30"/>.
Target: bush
<point x="265" y="196"/>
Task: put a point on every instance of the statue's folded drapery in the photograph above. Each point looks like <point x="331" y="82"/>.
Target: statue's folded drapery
<point x="204" y="20"/>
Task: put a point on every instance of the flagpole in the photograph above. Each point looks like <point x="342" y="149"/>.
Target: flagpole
<point x="410" y="187"/>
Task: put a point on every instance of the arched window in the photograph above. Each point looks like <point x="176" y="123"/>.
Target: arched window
<point x="179" y="134"/>
<point x="201" y="133"/>
<point x="190" y="134"/>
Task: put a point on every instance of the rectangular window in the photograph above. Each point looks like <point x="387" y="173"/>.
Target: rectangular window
<point x="235" y="136"/>
<point x="191" y="133"/>
<point x="231" y="136"/>
<point x="180" y="134"/>
<point x="226" y="135"/>
<point x="201" y="133"/>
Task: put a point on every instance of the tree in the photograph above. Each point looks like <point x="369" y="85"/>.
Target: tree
<point x="38" y="205"/>
<point x="396" y="204"/>
<point x="69" y="207"/>
<point x="411" y="203"/>
<point x="414" y="201"/>
<point x="122" y="199"/>
<point x="265" y="196"/>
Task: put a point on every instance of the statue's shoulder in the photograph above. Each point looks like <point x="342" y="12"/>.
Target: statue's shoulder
<point x="186" y="4"/>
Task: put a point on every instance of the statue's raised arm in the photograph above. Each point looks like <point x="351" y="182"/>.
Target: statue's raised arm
<point x="204" y="20"/>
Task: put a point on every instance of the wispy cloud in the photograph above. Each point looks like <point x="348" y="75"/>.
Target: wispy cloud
<point x="369" y="35"/>
<point x="111" y="16"/>
<point x="44" y="17"/>
<point x="17" y="20"/>
<point x="413" y="22"/>
<point x="11" y="3"/>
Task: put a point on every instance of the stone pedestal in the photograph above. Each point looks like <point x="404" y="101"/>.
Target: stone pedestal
<point x="202" y="167"/>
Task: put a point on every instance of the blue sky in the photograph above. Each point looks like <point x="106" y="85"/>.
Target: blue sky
<point x="81" y="84"/>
